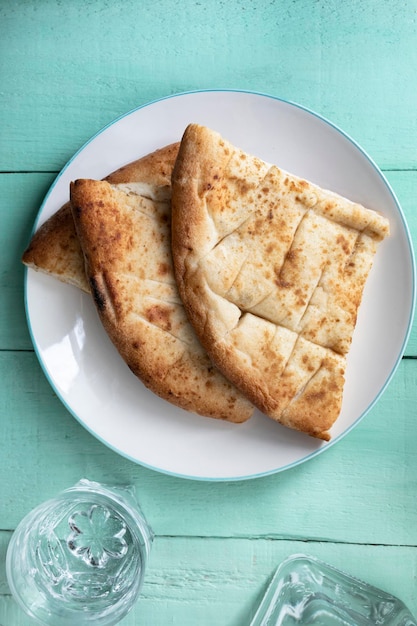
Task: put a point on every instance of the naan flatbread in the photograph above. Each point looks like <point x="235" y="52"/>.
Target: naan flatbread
<point x="55" y="250"/>
<point x="124" y="233"/>
<point x="271" y="270"/>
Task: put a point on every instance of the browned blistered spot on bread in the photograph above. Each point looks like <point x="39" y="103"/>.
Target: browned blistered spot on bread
<point x="243" y="187"/>
<point x="98" y="296"/>
<point x="343" y="242"/>
<point x="76" y="209"/>
<point x="282" y="284"/>
<point x="291" y="256"/>
<point x="259" y="225"/>
<point x="160" y="316"/>
<point x="163" y="269"/>
<point x="318" y="396"/>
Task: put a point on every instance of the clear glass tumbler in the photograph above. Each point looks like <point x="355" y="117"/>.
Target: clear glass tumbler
<point x="80" y="558"/>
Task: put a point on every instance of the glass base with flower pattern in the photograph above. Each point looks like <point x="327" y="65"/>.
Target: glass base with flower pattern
<point x="80" y="558"/>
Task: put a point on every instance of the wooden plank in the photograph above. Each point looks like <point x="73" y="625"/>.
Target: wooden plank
<point x="404" y="186"/>
<point x="344" y="60"/>
<point x="221" y="581"/>
<point x="22" y="196"/>
<point x="360" y="490"/>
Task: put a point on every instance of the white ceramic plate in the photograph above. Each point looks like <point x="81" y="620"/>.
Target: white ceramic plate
<point x="97" y="387"/>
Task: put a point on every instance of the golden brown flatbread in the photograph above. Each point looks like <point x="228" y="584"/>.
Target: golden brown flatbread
<point x="124" y="233"/>
<point x="271" y="270"/>
<point x="55" y="250"/>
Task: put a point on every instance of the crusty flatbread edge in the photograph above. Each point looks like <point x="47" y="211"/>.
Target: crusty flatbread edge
<point x="54" y="248"/>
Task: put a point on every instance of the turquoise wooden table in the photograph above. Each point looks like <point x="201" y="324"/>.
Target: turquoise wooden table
<point x="66" y="70"/>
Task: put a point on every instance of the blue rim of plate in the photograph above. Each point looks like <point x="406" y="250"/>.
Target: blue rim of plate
<point x="400" y="351"/>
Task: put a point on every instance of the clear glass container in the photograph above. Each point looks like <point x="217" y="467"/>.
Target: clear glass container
<point x="80" y="558"/>
<point x="305" y="591"/>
